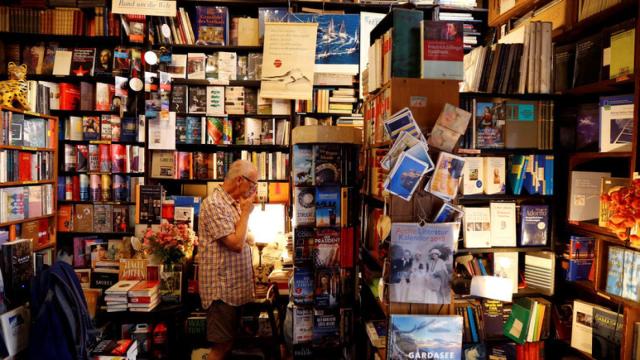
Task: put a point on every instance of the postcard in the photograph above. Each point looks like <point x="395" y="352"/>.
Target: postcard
<point x="446" y="177"/>
<point x="405" y="176"/>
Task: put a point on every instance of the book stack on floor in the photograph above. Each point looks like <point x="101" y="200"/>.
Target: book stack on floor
<point x="125" y="349"/>
<point x="144" y="296"/>
<point x="116" y="296"/>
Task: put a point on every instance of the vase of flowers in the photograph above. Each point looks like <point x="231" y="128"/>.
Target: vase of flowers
<point x="171" y="244"/>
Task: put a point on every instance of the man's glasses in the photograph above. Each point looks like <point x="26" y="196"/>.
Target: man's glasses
<point x="254" y="183"/>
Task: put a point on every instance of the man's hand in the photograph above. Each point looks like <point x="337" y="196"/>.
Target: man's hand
<point x="246" y="205"/>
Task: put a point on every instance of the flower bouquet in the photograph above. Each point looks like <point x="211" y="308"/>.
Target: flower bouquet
<point x="623" y="211"/>
<point x="171" y="244"/>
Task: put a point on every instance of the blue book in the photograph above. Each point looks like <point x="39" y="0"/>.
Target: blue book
<point x="581" y="247"/>
<point x="129" y="129"/>
<point x="328" y="206"/>
<point x="614" y="270"/>
<point x="303" y="165"/>
<point x="326" y="329"/>
<point x="631" y="277"/>
<point x="432" y="336"/>
<point x="188" y="201"/>
<point x="302" y="286"/>
<point x="578" y="269"/>
<point x="212" y="25"/>
<point x="193" y="130"/>
<point x="515" y="175"/>
<point x="472" y="324"/>
<point x="616" y="123"/>
<point x="548" y="174"/>
<point x="534" y="225"/>
<point x="181" y="130"/>
<point x="482" y="268"/>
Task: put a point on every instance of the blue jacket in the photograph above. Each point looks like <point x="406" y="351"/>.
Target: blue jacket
<point x="60" y="327"/>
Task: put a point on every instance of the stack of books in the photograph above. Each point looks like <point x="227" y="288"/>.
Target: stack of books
<point x="125" y="349"/>
<point x="144" y="296"/>
<point x="341" y="100"/>
<point x="116" y="296"/>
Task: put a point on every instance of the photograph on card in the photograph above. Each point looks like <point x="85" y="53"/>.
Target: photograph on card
<point x="405" y="176"/>
<point x="447" y="176"/>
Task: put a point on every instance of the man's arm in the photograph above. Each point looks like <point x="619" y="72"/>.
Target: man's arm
<point x="235" y="242"/>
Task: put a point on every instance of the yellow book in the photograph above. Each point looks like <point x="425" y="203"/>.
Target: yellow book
<point x="621" y="57"/>
<point x="248" y="34"/>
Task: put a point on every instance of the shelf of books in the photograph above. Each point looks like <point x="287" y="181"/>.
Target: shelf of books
<point x="28" y="168"/>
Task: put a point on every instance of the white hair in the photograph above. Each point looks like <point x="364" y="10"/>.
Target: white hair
<point x="239" y="168"/>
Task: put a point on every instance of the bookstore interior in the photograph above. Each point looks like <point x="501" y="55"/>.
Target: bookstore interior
<point x="319" y="179"/>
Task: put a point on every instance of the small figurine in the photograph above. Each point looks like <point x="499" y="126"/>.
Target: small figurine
<point x="13" y="92"/>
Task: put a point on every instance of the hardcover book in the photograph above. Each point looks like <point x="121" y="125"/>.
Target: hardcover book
<point x="534" y="225"/>
<point x="581" y="247"/>
<point x="587" y="127"/>
<point x="303" y="165"/>
<point x="302" y="324"/>
<point x="326" y="248"/>
<point x="631" y="273"/>
<point x="327" y="288"/>
<point x="197" y="100"/>
<point x="82" y="61"/>
<point x="584" y="195"/>
<point x="606" y="340"/>
<point x="588" y="60"/>
<point x="84" y="218"/>
<point x="490" y="118"/>
<point x="326" y="164"/>
<point x="473" y="176"/>
<point x="492" y="317"/>
<point x="303" y="238"/>
<point x="326" y="332"/>
<point x="503" y="224"/>
<point x="615" y="270"/>
<point x="196" y="65"/>
<point x="303" y="286"/>
<point x="494" y="175"/>
<point x="442" y="50"/>
<point x="477" y="227"/>
<point x="17" y="270"/>
<point x="425" y="336"/>
<point x="212" y="25"/>
<point x="505" y="265"/>
<point x="178" y="99"/>
<point x="102" y="218"/>
<point x="328" y="206"/>
<point x="422" y="262"/>
<point x="616" y="123"/>
<point x="305" y="206"/>
<point x="104" y="61"/>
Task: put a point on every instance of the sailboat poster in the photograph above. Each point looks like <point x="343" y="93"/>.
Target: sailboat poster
<point x="337" y="43"/>
<point x="288" y="61"/>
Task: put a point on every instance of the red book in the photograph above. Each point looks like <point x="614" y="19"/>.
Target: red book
<point x="144" y="289"/>
<point x="25" y="166"/>
<point x="69" y="96"/>
<point x="346" y="247"/>
<point x="105" y="158"/>
<point x="65" y="215"/>
<point x="76" y="188"/>
<point x="43" y="232"/>
<point x="142" y="299"/>
<point x="183" y="167"/>
<point x="118" y="158"/>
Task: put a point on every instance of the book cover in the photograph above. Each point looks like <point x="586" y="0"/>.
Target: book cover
<point x="103" y="278"/>
<point x="212" y="25"/>
<point x="193" y="130"/>
<point x="505" y="265"/>
<point x="587" y="127"/>
<point x="588" y="60"/>
<point x="328" y="206"/>
<point x="118" y="158"/>
<point x="325" y="328"/>
<point x="17" y="270"/>
<point x="534" y="224"/>
<point x="477" y="227"/>
<point x="425" y="336"/>
<point x="581" y="247"/>
<point x="490" y="118"/>
<point x="447" y="175"/>
<point x="303" y="165"/>
<point x="15" y="329"/>
<point x="62" y="62"/>
<point x="503" y="224"/>
<point x="517" y="325"/>
<point x="442" y="50"/>
<point x="178" y="99"/>
<point x="494" y="175"/>
<point x="104" y="61"/>
<point x="326" y="248"/>
<point x="196" y="65"/>
<point x="102" y="218"/>
<point x="584" y="195"/>
<point x="421" y="262"/>
<point x="82" y="61"/>
<point x="473" y="175"/>
<point x="177" y="68"/>
<point x="120" y="218"/>
<point x="303" y="239"/>
<point x="302" y="324"/>
<point x="121" y="61"/>
<point x="615" y="270"/>
<point x="234" y="100"/>
<point x="607" y="187"/>
<point x="492" y="318"/>
<point x="521" y="124"/>
<point x="302" y="286"/>
<point x="621" y="58"/>
<point x="305" y="206"/>
<point x="215" y="100"/>
<point x="326" y="164"/>
<point x="84" y="218"/>
<point x="577" y="269"/>
<point x="215" y="130"/>
<point x="606" y="339"/>
<point x="327" y="288"/>
<point x="197" y="100"/>
<point x="616" y="123"/>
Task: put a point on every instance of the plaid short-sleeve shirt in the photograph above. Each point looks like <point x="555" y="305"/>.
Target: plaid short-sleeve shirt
<point x="222" y="273"/>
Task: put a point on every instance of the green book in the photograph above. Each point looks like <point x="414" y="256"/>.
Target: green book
<point x="517" y="325"/>
<point x="406" y="43"/>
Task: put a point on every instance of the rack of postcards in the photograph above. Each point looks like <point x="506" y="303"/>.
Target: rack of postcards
<point x="325" y="161"/>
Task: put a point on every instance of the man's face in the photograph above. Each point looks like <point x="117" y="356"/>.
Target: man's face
<point x="247" y="184"/>
<point x="104" y="57"/>
<point x="407" y="254"/>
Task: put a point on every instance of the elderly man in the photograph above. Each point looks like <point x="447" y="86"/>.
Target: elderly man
<point x="225" y="271"/>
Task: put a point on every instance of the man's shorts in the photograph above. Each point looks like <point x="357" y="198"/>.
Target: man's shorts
<point x="223" y="321"/>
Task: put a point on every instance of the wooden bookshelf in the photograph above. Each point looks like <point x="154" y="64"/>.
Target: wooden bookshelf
<point x="212" y="48"/>
<point x="205" y="82"/>
<point x="497" y="18"/>
<point x="590" y="227"/>
<point x="73" y="202"/>
<point x="233" y="147"/>
<point x="499" y="197"/>
<point x="106" y="78"/>
<point x="603" y="87"/>
<point x="83" y="112"/>
<point x="504" y="249"/>
<point x="22" y="221"/>
<point x="99" y="234"/>
<point x="26" y="183"/>
<point x="240" y="116"/>
<point x="624" y="9"/>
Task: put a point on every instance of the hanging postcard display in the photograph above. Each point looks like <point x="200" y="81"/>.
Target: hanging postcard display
<point x="288" y="60"/>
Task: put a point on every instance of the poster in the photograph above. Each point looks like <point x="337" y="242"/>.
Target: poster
<point x="144" y="7"/>
<point x="288" y="60"/>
